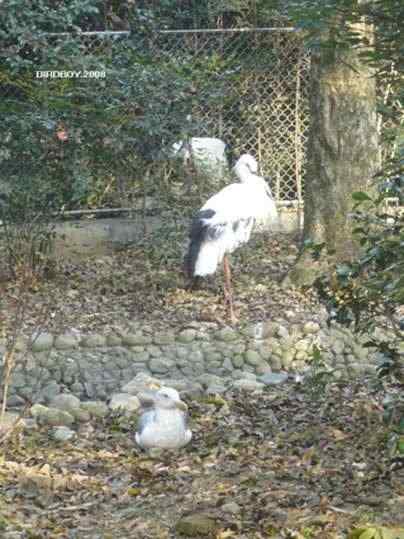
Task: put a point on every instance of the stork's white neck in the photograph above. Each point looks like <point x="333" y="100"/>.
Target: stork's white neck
<point x="244" y="174"/>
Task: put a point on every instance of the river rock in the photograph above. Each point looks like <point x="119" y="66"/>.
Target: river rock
<point x="51" y="416"/>
<point x="248" y="385"/>
<point x="196" y="524"/>
<point x="66" y="342"/>
<point x="141" y="382"/>
<point x="274" y="378"/>
<point x="186" y="336"/>
<point x="95" y="408"/>
<point x="311" y="327"/>
<point x="43" y="342"/>
<point x="94" y="341"/>
<point x="62" y="434"/>
<point x="124" y="401"/>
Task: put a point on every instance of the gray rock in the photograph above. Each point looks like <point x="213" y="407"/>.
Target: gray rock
<point x="182" y="352"/>
<point x="43" y="342"/>
<point x="211" y="357"/>
<point x="21" y="344"/>
<point x="77" y="389"/>
<point x="65" y="402"/>
<point x="66" y="342"/>
<point x="159" y="365"/>
<point x="238" y="348"/>
<point x="50" y="390"/>
<point x="227" y="364"/>
<point x="51" y="416"/>
<point x="15" y="400"/>
<point x="338" y="347"/>
<point x="186" y="336"/>
<point x="238" y="361"/>
<point x="263" y="368"/>
<point x="227" y="335"/>
<point x="215" y="389"/>
<point x="135" y="339"/>
<point x="265" y="352"/>
<point x="141" y="357"/>
<point x="276" y="363"/>
<point x="154" y="351"/>
<point x="100" y="392"/>
<point x="196" y="524"/>
<point x="231" y="507"/>
<point x="252" y="357"/>
<point x="299" y="365"/>
<point x="193" y="391"/>
<point x="141" y="382"/>
<point x="95" y="408"/>
<point x="287" y="358"/>
<point x="215" y="368"/>
<point x="27" y="393"/>
<point x="62" y="434"/>
<point x="163" y="338"/>
<point x="359" y="352"/>
<point x="248" y="385"/>
<point x="207" y="379"/>
<point x="283" y="332"/>
<point x="13" y="535"/>
<point x="301" y="355"/>
<point x="114" y="340"/>
<point x="270" y="329"/>
<point x="303" y="345"/>
<point x="124" y="401"/>
<point x="94" y="341"/>
<point x="249" y="375"/>
<point x="189" y="371"/>
<point x="311" y="327"/>
<point x="18" y="379"/>
<point x="274" y="378"/>
<point x="181" y="362"/>
<point x="138" y="349"/>
<point x="196" y="356"/>
<point x="196" y="368"/>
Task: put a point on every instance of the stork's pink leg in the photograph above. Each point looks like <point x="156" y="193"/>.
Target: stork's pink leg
<point x="228" y="293"/>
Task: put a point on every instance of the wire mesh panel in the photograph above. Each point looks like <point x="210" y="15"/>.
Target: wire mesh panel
<point x="249" y="88"/>
<point x="260" y="79"/>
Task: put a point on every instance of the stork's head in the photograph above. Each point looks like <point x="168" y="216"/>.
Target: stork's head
<point x="245" y="167"/>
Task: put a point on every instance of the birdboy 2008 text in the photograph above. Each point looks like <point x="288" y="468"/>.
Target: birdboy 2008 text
<point x="70" y="74"/>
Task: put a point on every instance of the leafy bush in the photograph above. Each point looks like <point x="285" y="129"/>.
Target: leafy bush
<point x="368" y="293"/>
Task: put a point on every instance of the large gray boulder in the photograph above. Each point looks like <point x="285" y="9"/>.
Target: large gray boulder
<point x="208" y="156"/>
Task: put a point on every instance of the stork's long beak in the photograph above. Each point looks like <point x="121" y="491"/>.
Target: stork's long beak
<point x="181" y="406"/>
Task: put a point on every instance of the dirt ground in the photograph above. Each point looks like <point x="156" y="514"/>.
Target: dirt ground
<point x="299" y="460"/>
<point x="310" y="460"/>
<point x="96" y="295"/>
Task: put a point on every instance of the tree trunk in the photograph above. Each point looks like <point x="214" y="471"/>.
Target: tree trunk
<point x="343" y="151"/>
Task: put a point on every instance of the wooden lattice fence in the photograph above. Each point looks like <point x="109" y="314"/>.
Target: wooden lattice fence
<point x="261" y="78"/>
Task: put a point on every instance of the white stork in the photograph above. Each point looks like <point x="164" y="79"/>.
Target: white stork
<point x="226" y="221"/>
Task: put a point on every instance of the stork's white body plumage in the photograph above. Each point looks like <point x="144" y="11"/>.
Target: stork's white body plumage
<point x="226" y="220"/>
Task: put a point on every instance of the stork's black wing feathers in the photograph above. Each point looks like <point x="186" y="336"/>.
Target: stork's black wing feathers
<point x="200" y="231"/>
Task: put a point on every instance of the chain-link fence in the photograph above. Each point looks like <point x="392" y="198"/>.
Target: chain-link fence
<point x="249" y="88"/>
<point x="262" y="77"/>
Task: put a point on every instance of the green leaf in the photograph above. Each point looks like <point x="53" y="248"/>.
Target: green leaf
<point x="360" y="196"/>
